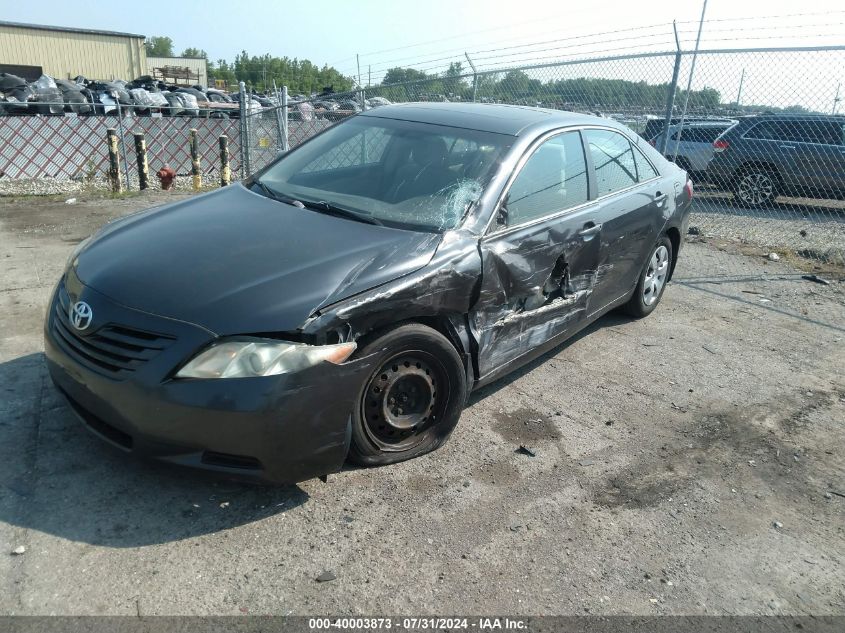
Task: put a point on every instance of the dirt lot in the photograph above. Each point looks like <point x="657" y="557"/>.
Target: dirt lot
<point x="688" y="463"/>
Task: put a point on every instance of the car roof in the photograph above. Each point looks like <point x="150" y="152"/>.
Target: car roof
<point x="796" y="116"/>
<point x="485" y="117"/>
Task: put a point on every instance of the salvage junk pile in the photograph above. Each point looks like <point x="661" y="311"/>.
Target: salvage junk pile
<point x="142" y="97"/>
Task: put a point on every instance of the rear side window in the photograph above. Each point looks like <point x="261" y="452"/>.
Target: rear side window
<point x="799" y="131"/>
<point x="614" y="161"/>
<point x="644" y="169"/>
<point x="825" y="132"/>
<point x="553" y="179"/>
<point x="700" y="134"/>
<point x="768" y="131"/>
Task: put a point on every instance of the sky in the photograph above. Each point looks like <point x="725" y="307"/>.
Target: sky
<point x="384" y="31"/>
<point x="429" y="34"/>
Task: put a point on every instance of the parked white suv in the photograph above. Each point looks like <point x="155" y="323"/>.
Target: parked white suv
<point x="694" y="148"/>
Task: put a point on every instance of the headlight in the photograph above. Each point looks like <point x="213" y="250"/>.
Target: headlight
<point x="250" y="359"/>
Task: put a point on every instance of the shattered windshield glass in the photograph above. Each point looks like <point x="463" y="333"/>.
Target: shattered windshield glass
<point x="401" y="173"/>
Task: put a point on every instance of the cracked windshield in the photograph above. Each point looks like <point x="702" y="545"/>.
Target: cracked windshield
<point x="399" y="173"/>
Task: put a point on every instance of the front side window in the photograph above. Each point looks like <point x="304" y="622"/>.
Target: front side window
<point x="613" y="160"/>
<point x="403" y="174"/>
<point x="554" y="178"/>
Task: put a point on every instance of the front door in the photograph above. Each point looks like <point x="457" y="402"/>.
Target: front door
<point x="539" y="257"/>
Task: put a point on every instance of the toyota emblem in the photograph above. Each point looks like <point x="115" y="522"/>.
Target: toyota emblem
<point x="81" y="315"/>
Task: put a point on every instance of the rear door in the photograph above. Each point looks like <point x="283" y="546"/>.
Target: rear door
<point x="632" y="207"/>
<point x="539" y="257"/>
<point x="773" y="142"/>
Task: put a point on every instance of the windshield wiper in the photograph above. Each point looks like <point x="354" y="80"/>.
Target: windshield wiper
<point x="270" y="193"/>
<point x="328" y="207"/>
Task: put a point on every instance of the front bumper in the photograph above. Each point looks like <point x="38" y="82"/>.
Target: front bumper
<point x="275" y="429"/>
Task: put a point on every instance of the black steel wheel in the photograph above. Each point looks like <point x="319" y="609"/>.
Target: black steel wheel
<point x="412" y="398"/>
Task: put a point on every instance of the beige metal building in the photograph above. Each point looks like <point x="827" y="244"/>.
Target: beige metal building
<point x="63" y="53"/>
<point x="178" y="70"/>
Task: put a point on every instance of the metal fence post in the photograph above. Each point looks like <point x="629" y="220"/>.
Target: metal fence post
<point x="474" y="78"/>
<point x="244" y="131"/>
<point x="122" y="142"/>
<point x="279" y="126"/>
<point x="689" y="81"/>
<point x="285" y="140"/>
<point x="673" y="89"/>
<point x="143" y="166"/>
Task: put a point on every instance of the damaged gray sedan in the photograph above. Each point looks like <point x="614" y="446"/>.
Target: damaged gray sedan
<point x="342" y="303"/>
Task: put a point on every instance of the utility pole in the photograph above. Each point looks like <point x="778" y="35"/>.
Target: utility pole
<point x="836" y="99"/>
<point x="369" y="75"/>
<point x="739" y="92"/>
<point x="358" y="61"/>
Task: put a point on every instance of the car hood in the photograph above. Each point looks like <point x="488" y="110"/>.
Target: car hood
<point x="236" y="262"/>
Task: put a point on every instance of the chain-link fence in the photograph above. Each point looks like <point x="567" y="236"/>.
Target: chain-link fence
<point x="757" y="130"/>
<point x="52" y="154"/>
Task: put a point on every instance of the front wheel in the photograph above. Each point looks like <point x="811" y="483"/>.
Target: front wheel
<point x="412" y="399"/>
<point x="652" y="281"/>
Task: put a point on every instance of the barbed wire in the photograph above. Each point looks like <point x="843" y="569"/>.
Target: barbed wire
<point x="457" y="54"/>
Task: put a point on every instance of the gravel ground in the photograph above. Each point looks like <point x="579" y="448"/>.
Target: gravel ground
<point x="688" y="463"/>
<point x="812" y="228"/>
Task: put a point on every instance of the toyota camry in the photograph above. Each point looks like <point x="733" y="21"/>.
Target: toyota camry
<point x="342" y="303"/>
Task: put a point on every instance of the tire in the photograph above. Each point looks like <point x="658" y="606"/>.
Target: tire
<point x="756" y="187"/>
<point x="412" y="399"/>
<point x="652" y="281"/>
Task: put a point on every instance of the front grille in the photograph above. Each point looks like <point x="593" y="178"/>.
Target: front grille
<point x="113" y="350"/>
<point x="106" y="430"/>
<point x="213" y="458"/>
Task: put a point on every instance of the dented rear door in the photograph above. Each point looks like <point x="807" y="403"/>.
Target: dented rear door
<point x="539" y="259"/>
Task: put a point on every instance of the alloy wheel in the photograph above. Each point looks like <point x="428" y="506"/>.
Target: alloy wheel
<point x="655" y="275"/>
<point x="756" y="188"/>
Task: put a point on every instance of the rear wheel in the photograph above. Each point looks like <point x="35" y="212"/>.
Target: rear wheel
<point x="652" y="280"/>
<point x="756" y="187"/>
<point x="412" y="399"/>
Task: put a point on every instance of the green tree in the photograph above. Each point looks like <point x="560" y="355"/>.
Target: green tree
<point x="453" y="82"/>
<point x="159" y="46"/>
<point x="194" y="52"/>
<point x="400" y="75"/>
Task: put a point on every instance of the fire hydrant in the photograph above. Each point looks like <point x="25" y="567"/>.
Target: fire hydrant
<point x="166" y="175"/>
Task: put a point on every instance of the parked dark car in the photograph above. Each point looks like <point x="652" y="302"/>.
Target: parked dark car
<point x="342" y="303"/>
<point x="785" y="154"/>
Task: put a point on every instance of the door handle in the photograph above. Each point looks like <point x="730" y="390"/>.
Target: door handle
<point x="590" y="229"/>
<point x="659" y="196"/>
